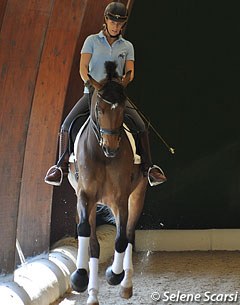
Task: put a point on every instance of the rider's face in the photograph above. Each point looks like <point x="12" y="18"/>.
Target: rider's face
<point x="114" y="27"/>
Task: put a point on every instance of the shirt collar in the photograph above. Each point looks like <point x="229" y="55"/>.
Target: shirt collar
<point x="101" y="35"/>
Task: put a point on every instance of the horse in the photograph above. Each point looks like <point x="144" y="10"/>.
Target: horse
<point x="107" y="175"/>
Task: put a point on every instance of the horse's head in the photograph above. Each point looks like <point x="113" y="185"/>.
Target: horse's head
<point x="107" y="108"/>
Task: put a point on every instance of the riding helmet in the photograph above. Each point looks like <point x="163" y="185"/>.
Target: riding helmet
<point x="116" y="11"/>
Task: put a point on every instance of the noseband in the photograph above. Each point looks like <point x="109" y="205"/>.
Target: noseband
<point x="99" y="131"/>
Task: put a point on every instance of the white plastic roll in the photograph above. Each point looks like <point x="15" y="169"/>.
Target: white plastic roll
<point x="65" y="258"/>
<point x="12" y="294"/>
<point x="41" y="279"/>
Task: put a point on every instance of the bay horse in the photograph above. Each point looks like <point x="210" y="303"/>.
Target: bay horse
<point x="106" y="175"/>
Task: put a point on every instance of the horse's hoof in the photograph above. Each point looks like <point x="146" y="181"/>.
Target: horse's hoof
<point x="92" y="301"/>
<point x="92" y="298"/>
<point x="79" y="280"/>
<point x="112" y="278"/>
<point x="126" y="292"/>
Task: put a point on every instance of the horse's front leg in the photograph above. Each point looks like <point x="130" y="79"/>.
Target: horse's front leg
<point x="136" y="202"/>
<point x="115" y="272"/>
<point x="93" y="286"/>
<point x="79" y="278"/>
<point x="126" y="291"/>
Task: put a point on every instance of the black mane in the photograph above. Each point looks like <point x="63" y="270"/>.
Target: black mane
<point x="111" y="70"/>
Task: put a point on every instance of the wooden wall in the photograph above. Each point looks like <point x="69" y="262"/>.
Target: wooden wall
<point x="23" y="33"/>
<point x="39" y="83"/>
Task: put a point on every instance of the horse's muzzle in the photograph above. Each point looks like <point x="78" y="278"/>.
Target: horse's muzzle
<point x="110" y="145"/>
<point x="109" y="153"/>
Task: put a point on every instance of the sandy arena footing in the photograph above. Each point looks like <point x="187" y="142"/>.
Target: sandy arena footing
<point x="204" y="277"/>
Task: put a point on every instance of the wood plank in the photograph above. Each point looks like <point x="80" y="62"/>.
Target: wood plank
<point x="19" y="59"/>
<point x="3" y="4"/>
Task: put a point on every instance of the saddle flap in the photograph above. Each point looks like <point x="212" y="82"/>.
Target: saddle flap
<point x="72" y="157"/>
<point x="136" y="157"/>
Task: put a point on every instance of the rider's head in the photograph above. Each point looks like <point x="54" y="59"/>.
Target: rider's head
<point x="116" y="16"/>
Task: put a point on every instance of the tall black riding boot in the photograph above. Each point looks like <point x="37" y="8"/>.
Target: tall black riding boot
<point x="56" y="173"/>
<point x="154" y="173"/>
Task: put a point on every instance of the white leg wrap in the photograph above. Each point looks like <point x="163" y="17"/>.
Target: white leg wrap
<point x="127" y="280"/>
<point x="117" y="266"/>
<point x="128" y="267"/>
<point x="83" y="256"/>
<point x="93" y="275"/>
<point x="127" y="262"/>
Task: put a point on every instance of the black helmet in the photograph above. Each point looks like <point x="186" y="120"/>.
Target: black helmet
<point x="116" y="11"/>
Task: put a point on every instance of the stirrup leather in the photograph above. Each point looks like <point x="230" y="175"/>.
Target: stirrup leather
<point x="52" y="182"/>
<point x="153" y="183"/>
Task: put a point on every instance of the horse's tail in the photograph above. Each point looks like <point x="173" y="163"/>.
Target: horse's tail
<point x="110" y="67"/>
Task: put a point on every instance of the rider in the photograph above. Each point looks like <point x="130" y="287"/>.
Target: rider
<point x="107" y="45"/>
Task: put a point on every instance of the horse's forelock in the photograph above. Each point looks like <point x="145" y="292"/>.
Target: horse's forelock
<point x="112" y="88"/>
<point x="113" y="91"/>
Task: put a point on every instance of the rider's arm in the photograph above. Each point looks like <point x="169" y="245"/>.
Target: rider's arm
<point x="83" y="67"/>
<point x="129" y="66"/>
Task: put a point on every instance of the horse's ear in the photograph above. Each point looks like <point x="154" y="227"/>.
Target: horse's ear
<point x="126" y="78"/>
<point x="94" y="83"/>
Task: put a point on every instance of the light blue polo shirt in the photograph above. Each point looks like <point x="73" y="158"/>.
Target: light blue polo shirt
<point x="97" y="45"/>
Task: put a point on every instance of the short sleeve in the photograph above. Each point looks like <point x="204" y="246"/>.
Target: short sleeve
<point x="130" y="54"/>
<point x="88" y="45"/>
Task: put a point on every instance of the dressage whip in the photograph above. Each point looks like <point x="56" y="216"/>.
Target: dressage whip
<point x="172" y="150"/>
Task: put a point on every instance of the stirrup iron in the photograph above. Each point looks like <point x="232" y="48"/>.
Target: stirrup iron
<point x="154" y="183"/>
<point x="52" y="182"/>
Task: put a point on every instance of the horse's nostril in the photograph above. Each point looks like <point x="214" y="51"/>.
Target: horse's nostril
<point x="110" y="153"/>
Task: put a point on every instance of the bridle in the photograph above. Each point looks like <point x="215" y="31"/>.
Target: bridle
<point x="98" y="130"/>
